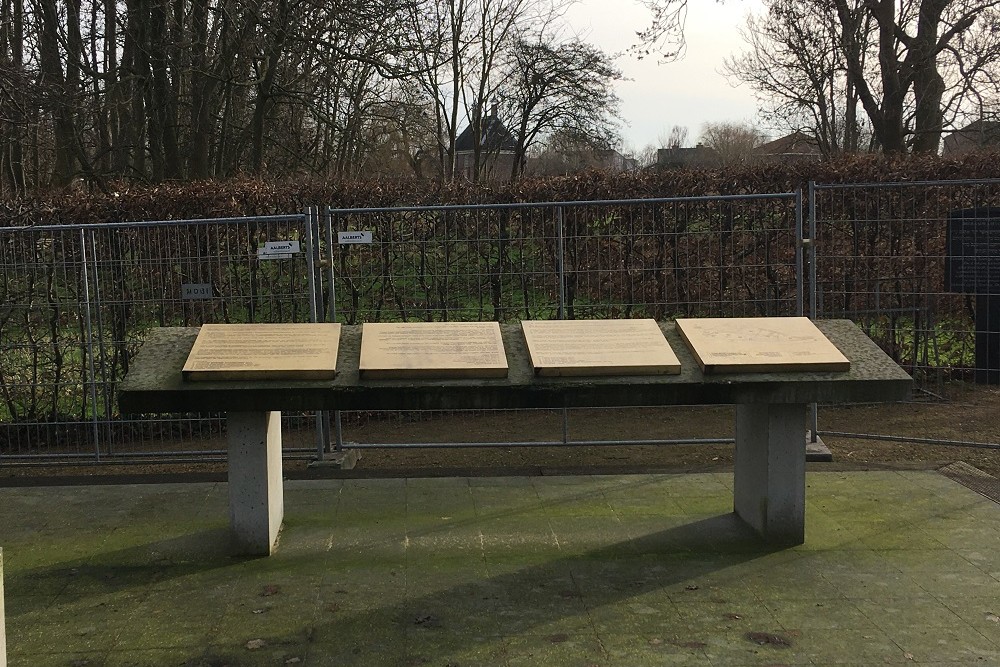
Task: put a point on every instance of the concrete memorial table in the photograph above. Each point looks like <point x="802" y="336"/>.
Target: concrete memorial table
<point x="769" y="486"/>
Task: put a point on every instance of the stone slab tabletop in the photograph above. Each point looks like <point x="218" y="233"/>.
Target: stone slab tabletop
<point x="154" y="383"/>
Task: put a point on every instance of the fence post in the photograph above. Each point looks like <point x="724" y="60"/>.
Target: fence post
<point x="811" y="248"/>
<point x="338" y="432"/>
<point x="800" y="279"/>
<point x="98" y="315"/>
<point x="561" y="250"/>
<point x="331" y="267"/>
<point x="561" y="258"/>
<point x="311" y="253"/>
<point x="310" y="218"/>
<point x="89" y="343"/>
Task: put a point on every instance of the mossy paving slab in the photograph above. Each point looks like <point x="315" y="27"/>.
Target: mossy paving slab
<point x="954" y="643"/>
<point x="506" y="572"/>
<point x="61" y="659"/>
<point x="556" y="649"/>
<point x="665" y="648"/>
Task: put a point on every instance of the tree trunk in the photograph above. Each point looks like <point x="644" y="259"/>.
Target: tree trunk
<point x="928" y="85"/>
<point x="162" y="117"/>
<point x="889" y="130"/>
<point x="266" y="87"/>
<point x="202" y="88"/>
<point x="58" y="93"/>
<point x="13" y="18"/>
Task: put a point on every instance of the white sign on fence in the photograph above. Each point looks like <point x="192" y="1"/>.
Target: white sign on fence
<point x="349" y="238"/>
<point x="279" y="250"/>
<point x="196" y="291"/>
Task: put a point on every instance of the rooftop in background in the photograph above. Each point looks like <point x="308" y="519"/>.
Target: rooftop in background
<point x="794" y="146"/>
<point x="497" y="150"/>
<point x="975" y="136"/>
<point x="697" y="156"/>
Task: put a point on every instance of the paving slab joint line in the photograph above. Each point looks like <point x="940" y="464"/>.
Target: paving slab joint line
<point x="973" y="478"/>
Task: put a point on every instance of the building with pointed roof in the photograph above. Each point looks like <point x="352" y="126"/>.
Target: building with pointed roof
<point x="794" y="146"/>
<point x="975" y="136"/>
<point x="497" y="150"/>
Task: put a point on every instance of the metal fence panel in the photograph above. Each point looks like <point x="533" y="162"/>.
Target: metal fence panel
<point x="722" y="256"/>
<point x="661" y="258"/>
<point x="881" y="253"/>
<point x="880" y="261"/>
<point x="77" y="302"/>
<point x="79" y="299"/>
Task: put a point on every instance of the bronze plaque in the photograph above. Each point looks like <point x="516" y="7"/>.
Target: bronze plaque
<point x="405" y="350"/>
<point x="264" y="352"/>
<point x="760" y="345"/>
<point x="598" y="347"/>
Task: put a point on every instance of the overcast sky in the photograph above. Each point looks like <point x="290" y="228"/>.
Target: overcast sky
<point x="689" y="92"/>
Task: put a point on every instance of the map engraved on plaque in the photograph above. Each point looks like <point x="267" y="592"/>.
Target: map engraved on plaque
<point x="408" y="350"/>
<point x="760" y="345"/>
<point x="598" y="347"/>
<point x="264" y="352"/>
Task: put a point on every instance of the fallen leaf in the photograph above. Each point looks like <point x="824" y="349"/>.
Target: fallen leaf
<point x="768" y="639"/>
<point x="255" y="644"/>
<point x="269" y="590"/>
<point x="427" y="621"/>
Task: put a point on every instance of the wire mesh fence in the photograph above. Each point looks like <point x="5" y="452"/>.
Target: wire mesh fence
<point x="917" y="266"/>
<point x="660" y="258"/>
<point x="77" y="302"/>
<point x="723" y="256"/>
<point x="882" y="254"/>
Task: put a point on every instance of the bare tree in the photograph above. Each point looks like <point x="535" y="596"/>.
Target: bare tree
<point x="101" y="90"/>
<point x="664" y="36"/>
<point x="13" y="100"/>
<point x="676" y="138"/>
<point x="796" y="65"/>
<point x="733" y="143"/>
<point x="560" y="87"/>
<point x="907" y="103"/>
<point x="902" y="70"/>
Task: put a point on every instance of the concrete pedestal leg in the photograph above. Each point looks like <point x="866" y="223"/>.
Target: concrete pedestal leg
<point x="256" y="500"/>
<point x="3" y="622"/>
<point x="770" y="483"/>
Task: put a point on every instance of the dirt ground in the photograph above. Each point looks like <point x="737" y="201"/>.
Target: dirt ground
<point x="973" y="416"/>
<point x="969" y="415"/>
